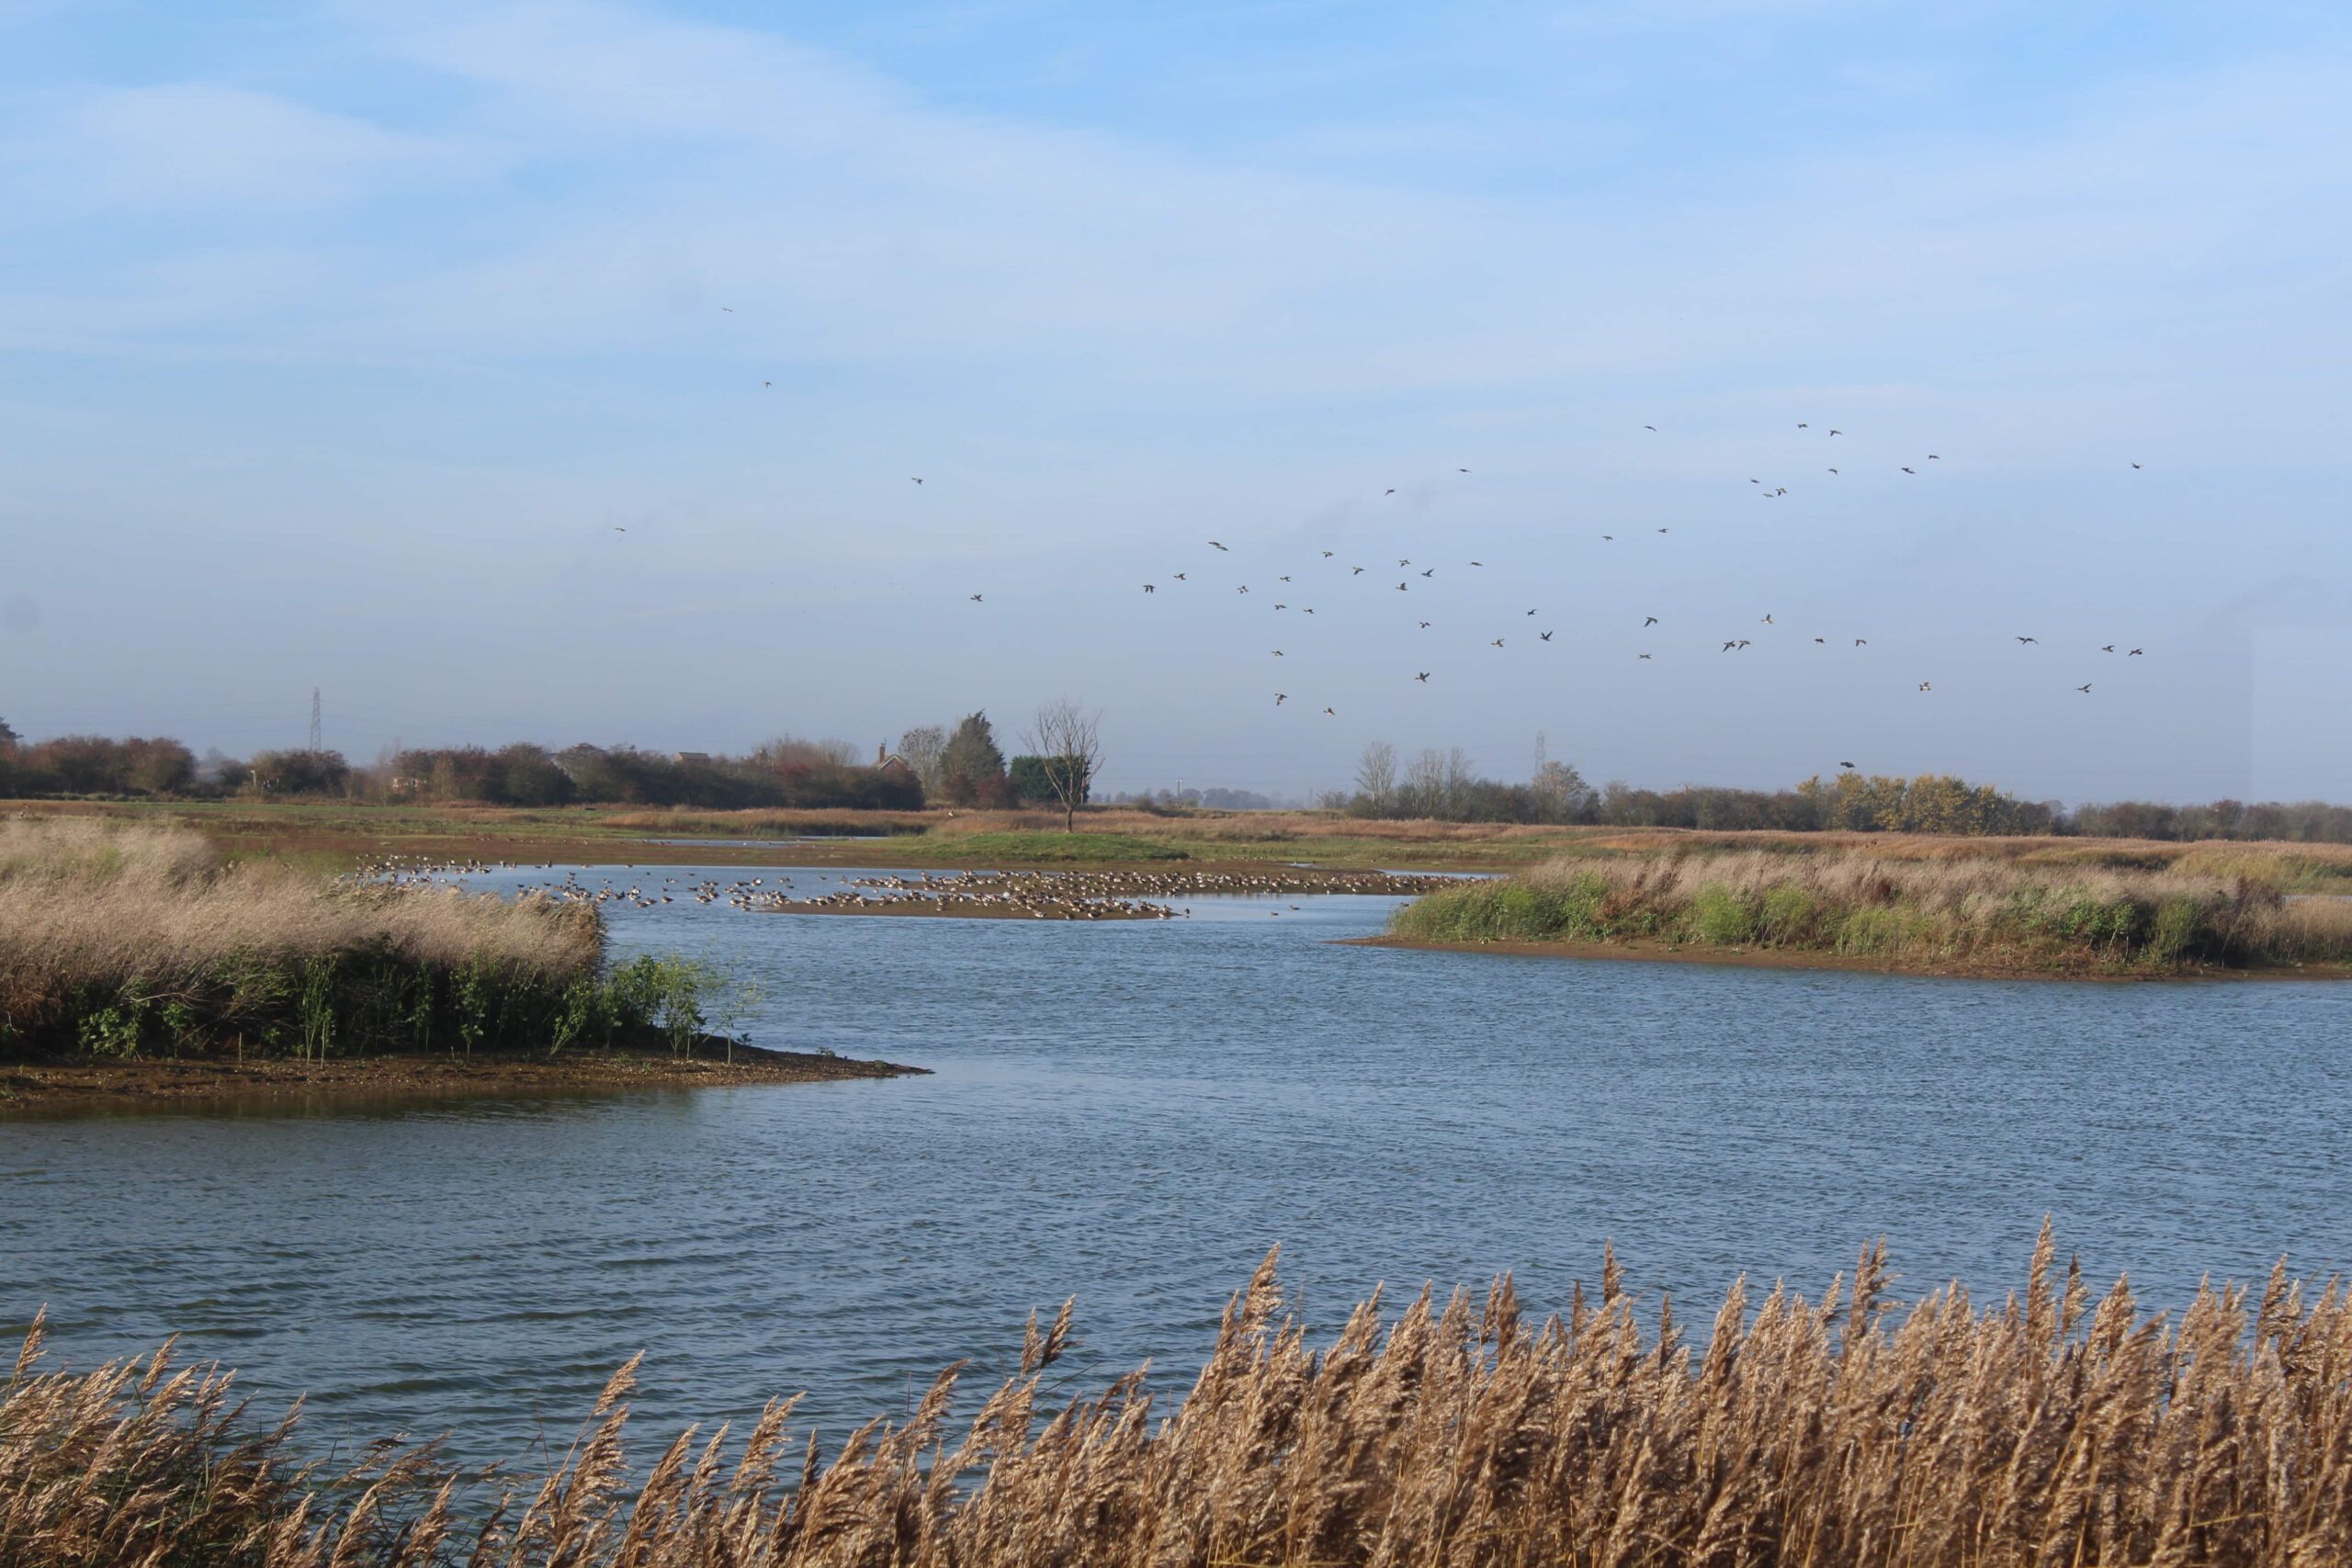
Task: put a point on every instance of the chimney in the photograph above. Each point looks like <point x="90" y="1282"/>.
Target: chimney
<point x="881" y="754"/>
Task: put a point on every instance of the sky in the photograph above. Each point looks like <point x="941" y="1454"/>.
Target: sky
<point x="560" y="371"/>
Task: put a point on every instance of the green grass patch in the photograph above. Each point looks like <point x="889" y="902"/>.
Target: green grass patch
<point x="1059" y="848"/>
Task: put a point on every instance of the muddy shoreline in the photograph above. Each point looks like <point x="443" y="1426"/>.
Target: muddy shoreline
<point x="1798" y="958"/>
<point x="84" y="1085"/>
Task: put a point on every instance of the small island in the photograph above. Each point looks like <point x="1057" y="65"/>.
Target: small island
<point x="1952" y="914"/>
<point x="138" y="963"/>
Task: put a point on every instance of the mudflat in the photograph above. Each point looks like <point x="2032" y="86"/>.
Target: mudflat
<point x="84" y="1084"/>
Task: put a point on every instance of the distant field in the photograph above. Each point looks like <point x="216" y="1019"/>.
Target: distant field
<point x="336" y="836"/>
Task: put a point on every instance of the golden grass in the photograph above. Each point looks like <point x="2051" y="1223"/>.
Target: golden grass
<point x="86" y="901"/>
<point x="1997" y="914"/>
<point x="92" y="909"/>
<point x="2052" y="1428"/>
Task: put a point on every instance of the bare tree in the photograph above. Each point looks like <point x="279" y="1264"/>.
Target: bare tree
<point x="1067" y="742"/>
<point x="1377" y="778"/>
<point x="923" y="747"/>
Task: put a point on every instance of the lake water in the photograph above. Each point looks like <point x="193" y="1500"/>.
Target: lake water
<point x="1131" y="1113"/>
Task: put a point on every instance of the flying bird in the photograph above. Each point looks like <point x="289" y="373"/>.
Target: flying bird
<point x="1644" y="656"/>
<point x="1425" y="626"/>
<point x="1924" y="687"/>
<point x="2025" y="640"/>
<point x="1243" y="589"/>
<point x="1461" y="470"/>
<point x="619" y="529"/>
<point x="1147" y="588"/>
<point x="917" y="480"/>
<point x="1768" y="620"/>
<point x="1332" y="715"/>
<point x="2135" y="465"/>
<point x="1432" y="573"/>
<point x="1214" y="545"/>
<point x="1278" y="653"/>
<point x="1649" y="427"/>
<point x="975" y="598"/>
<point x="1862" y="642"/>
<point x="2086" y="686"/>
<point x="1845" y="764"/>
<point x="2107" y="648"/>
<point x="1910" y="470"/>
<point x="1402" y="561"/>
<point x="1355" y="571"/>
<point x="1477" y="563"/>
<point x="1423" y="677"/>
<point x="1833" y="470"/>
<point x="1546" y="636"/>
<point x="1280" y="697"/>
<point x="1649" y="620"/>
<point x="1836" y="433"/>
<point x="1180" y="576"/>
<point x="1498" y="642"/>
<point x="1802" y="425"/>
<point x="2135" y="653"/>
<point x="1821" y="639"/>
<point x="1328" y="554"/>
<point x="1391" y="491"/>
<point x="1400" y="587"/>
<point x="729" y="310"/>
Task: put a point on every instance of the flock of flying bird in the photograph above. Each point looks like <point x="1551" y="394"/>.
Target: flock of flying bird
<point x="1428" y="573"/>
<point x="1287" y="585"/>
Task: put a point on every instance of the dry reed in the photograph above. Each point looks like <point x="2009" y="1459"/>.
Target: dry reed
<point x="1993" y="913"/>
<point x="91" y="910"/>
<point x="2053" y="1429"/>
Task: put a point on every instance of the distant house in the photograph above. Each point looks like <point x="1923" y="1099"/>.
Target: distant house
<point x="886" y="758"/>
<point x="702" y="757"/>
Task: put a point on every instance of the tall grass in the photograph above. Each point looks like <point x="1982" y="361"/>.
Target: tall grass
<point x="2055" y="1426"/>
<point x="120" y="939"/>
<point x="1979" y="911"/>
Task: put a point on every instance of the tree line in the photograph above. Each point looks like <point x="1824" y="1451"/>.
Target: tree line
<point x="960" y="767"/>
<point x="1443" y="786"/>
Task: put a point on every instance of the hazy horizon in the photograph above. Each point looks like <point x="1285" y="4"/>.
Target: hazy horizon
<point x="339" y="343"/>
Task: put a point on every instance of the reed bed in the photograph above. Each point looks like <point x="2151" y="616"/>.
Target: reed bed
<point x="2056" y="1427"/>
<point x="1981" y="912"/>
<point x="118" y="939"/>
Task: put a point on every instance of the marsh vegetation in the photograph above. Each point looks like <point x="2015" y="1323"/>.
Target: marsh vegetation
<point x="121" y="939"/>
<point x="1974" y="912"/>
<point x="2057" y="1425"/>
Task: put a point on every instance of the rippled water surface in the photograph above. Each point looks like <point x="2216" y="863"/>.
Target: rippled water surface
<point x="1133" y="1114"/>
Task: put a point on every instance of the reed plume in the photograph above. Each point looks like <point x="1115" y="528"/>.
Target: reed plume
<point x="2054" y="1427"/>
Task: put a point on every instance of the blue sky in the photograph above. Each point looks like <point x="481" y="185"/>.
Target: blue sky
<point x="338" y="342"/>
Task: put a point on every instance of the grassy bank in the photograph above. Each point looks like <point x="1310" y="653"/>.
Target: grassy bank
<point x="2057" y="1427"/>
<point x="123" y="941"/>
<point x="1972" y="914"/>
<point x="336" y="836"/>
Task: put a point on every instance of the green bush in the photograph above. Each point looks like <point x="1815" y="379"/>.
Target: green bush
<point x="1722" y="916"/>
